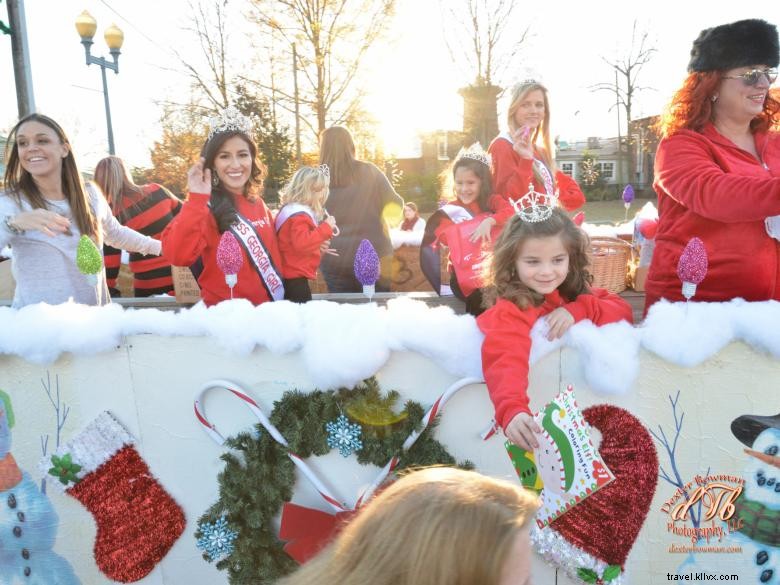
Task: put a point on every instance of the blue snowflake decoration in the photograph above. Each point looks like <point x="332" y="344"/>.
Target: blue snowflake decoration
<point x="217" y="539"/>
<point x="344" y="435"/>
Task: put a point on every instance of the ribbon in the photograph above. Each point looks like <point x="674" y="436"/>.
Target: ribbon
<point x="307" y="530"/>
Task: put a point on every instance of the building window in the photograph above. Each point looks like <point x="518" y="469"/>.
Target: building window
<point x="607" y="170"/>
<point x="441" y="146"/>
<point x="567" y="168"/>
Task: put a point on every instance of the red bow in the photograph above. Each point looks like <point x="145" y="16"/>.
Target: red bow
<point x="307" y="531"/>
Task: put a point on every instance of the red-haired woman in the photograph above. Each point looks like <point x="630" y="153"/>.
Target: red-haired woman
<point x="717" y="169"/>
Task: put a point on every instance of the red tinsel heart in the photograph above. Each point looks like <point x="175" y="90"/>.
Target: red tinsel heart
<point x="606" y="524"/>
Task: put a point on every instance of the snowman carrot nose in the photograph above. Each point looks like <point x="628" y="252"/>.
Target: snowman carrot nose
<point x="768" y="459"/>
<point x="10" y="474"/>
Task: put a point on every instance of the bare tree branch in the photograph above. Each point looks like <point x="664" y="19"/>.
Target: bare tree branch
<point x="332" y="39"/>
<point x="625" y="88"/>
<point x="492" y="42"/>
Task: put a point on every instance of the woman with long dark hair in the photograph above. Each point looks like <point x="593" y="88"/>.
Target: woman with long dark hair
<point x="44" y="212"/>
<point x="225" y="188"/>
<point x="362" y="200"/>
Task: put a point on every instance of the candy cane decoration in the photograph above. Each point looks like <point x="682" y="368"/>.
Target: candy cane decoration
<point x="212" y="431"/>
<point x="429" y="417"/>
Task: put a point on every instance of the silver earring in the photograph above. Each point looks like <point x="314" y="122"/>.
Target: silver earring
<point x="714" y="98"/>
<point x="215" y="179"/>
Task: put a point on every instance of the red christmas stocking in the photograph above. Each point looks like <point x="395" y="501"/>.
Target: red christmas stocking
<point x="137" y="520"/>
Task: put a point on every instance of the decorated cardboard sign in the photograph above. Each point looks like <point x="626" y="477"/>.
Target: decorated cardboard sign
<point x="566" y="467"/>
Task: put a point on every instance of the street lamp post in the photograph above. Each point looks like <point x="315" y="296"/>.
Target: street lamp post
<point x="86" y="26"/>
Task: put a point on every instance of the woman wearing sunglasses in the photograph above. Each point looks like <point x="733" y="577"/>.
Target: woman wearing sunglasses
<point x="717" y="169"/>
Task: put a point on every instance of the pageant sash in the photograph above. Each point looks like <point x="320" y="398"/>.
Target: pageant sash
<point x="291" y="209"/>
<point x="456" y="213"/>
<point x="259" y="257"/>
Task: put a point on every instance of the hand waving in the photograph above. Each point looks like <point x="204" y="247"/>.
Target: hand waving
<point x="198" y="178"/>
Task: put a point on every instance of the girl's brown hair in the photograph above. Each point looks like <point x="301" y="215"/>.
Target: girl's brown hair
<point x="481" y="170"/>
<point x="337" y="150"/>
<point x="436" y="526"/>
<point x="691" y="106"/>
<point x="501" y="279"/>
<point x="115" y="182"/>
<point x="20" y="184"/>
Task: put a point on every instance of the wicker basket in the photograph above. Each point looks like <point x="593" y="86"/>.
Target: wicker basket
<point x="609" y="263"/>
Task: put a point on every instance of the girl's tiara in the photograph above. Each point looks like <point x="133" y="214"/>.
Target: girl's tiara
<point x="534" y="207"/>
<point x="475" y="152"/>
<point x="229" y="120"/>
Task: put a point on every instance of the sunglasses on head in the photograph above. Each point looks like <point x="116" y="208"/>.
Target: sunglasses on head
<point x="753" y="76"/>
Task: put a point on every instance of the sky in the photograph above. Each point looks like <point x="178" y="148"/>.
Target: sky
<point x="410" y="79"/>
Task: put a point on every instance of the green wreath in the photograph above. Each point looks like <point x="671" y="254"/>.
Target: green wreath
<point x="259" y="477"/>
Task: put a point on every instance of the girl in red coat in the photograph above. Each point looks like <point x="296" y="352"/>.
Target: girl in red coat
<point x="302" y="227"/>
<point x="474" y="201"/>
<point x="524" y="154"/>
<point x="539" y="269"/>
<point x="224" y="195"/>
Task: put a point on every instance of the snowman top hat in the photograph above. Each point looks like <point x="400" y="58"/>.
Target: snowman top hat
<point x="748" y="426"/>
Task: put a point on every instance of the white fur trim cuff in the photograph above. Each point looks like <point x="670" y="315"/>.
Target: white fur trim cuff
<point x="92" y="447"/>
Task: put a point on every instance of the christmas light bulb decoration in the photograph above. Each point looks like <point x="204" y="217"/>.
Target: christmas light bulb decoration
<point x="367" y="267"/>
<point x="628" y="197"/>
<point x="692" y="267"/>
<point x="230" y="258"/>
<point x="89" y="260"/>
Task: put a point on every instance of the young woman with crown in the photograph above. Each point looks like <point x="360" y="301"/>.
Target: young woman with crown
<point x="539" y="269"/>
<point x="466" y="224"/>
<point x="225" y="188"/>
<point x="524" y="153"/>
<point x="717" y="168"/>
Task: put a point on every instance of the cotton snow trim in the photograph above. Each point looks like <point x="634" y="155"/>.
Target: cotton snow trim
<point x="342" y="344"/>
<point x="97" y="443"/>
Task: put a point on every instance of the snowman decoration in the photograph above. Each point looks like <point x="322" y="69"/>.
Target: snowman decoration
<point x="758" y="508"/>
<point x="28" y="522"/>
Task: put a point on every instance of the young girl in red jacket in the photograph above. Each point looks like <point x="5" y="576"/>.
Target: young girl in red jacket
<point x="539" y="269"/>
<point x="302" y="226"/>
<point x="470" y="183"/>
<point x="525" y="154"/>
<point x="225" y="188"/>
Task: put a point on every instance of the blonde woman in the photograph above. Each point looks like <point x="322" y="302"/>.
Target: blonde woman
<point x="524" y="154"/>
<point x="437" y="526"/>
<point x="302" y="227"/>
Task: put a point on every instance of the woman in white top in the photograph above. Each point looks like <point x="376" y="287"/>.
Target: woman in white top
<point x="45" y="210"/>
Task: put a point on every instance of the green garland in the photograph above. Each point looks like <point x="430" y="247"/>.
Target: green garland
<point x="257" y="481"/>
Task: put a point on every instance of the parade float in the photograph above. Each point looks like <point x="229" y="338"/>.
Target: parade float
<point x="218" y="445"/>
